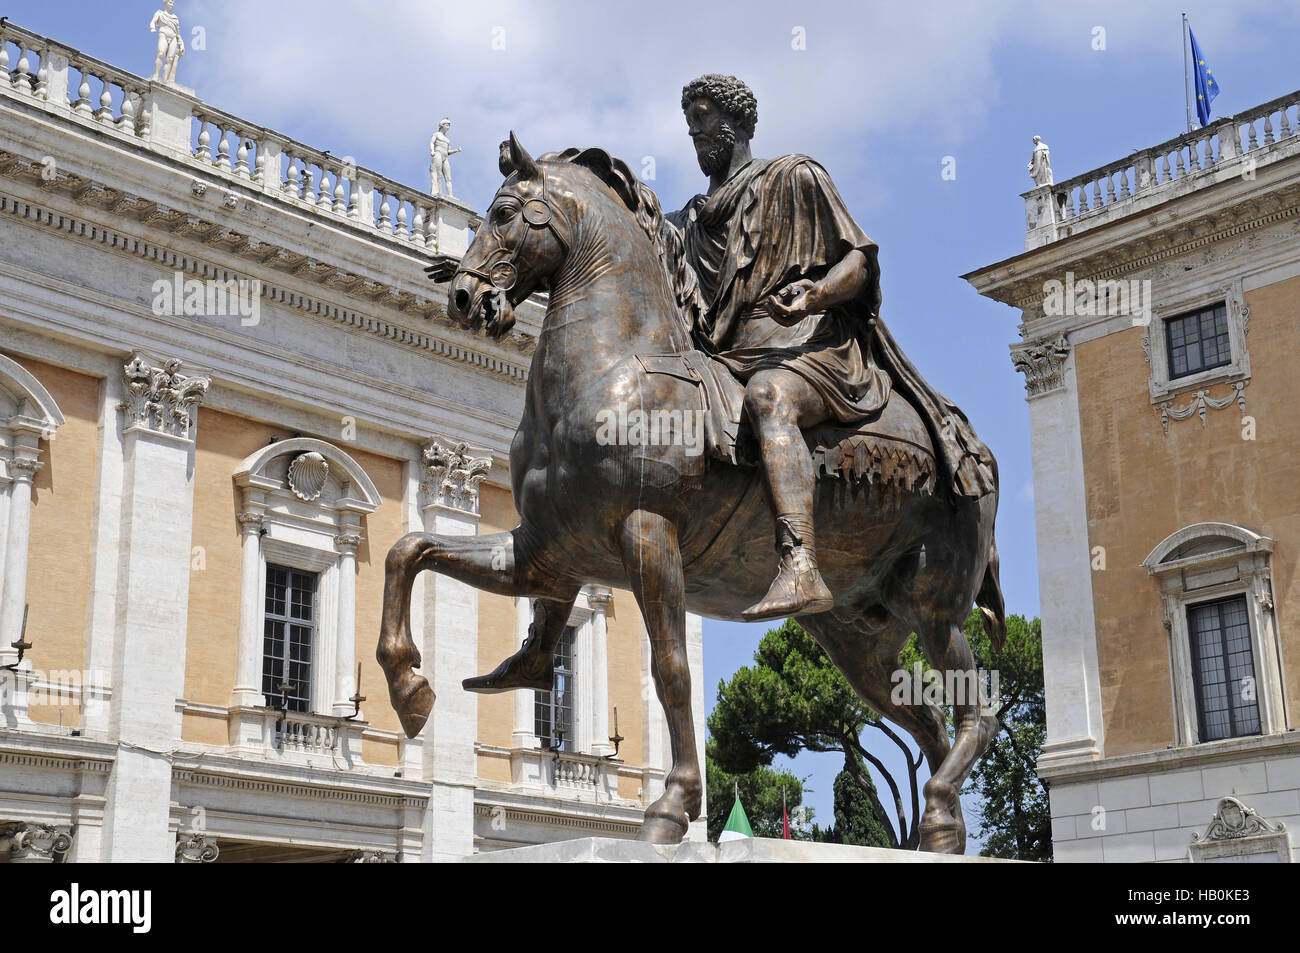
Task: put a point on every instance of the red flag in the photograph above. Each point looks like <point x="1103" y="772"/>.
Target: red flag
<point x="785" y="818"/>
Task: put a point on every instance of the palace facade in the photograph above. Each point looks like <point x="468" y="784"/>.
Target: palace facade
<point x="226" y="389"/>
<point x="1160" y="340"/>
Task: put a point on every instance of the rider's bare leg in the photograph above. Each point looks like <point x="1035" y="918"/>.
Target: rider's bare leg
<point x="779" y="403"/>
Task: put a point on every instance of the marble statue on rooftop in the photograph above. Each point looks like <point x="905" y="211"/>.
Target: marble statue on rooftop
<point x="440" y="164"/>
<point x="170" y="45"/>
<point x="1040" y="163"/>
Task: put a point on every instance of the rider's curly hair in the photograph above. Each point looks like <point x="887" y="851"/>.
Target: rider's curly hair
<point x="732" y="96"/>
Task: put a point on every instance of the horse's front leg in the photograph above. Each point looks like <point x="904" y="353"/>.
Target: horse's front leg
<point x="654" y="568"/>
<point x="496" y="563"/>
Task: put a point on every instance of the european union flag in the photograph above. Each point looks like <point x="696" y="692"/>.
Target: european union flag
<point x="1206" y="87"/>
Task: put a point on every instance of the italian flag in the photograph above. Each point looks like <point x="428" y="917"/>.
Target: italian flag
<point x="737" y="824"/>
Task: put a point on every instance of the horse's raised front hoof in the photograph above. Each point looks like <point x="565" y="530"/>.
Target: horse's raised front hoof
<point x="662" y="827"/>
<point x="413" y="704"/>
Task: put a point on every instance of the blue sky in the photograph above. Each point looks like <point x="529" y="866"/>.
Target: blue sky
<point x="881" y="94"/>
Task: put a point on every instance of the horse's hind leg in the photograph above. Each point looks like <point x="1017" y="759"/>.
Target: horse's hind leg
<point x="654" y="568"/>
<point x="867" y="655"/>
<point x="496" y="563"/>
<point x="942" y="827"/>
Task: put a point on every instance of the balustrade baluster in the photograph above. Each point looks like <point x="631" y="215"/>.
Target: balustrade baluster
<point x="204" y="153"/>
<point x="340" y="202"/>
<point x="105" y="111"/>
<point x="241" y="154"/>
<point x="223" y="149"/>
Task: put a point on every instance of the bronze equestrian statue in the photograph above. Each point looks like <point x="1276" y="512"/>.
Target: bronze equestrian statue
<point x="756" y="307"/>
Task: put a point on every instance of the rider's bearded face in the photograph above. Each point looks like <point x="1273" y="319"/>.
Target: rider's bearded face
<point x="713" y="148"/>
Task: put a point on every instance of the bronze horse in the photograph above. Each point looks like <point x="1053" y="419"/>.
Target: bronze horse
<point x="683" y="529"/>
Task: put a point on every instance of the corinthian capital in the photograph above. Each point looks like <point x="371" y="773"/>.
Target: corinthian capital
<point x="35" y="841"/>
<point x="160" y="397"/>
<point x="452" y="476"/>
<point x="1041" y="362"/>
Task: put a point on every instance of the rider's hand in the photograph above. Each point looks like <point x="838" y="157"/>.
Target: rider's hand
<point x="792" y="303"/>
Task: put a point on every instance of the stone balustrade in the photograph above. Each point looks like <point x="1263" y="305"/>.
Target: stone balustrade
<point x="576" y="770"/>
<point x="171" y="120"/>
<point x="296" y="731"/>
<point x="1231" y="146"/>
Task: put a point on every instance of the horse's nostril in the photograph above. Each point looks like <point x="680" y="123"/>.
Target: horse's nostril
<point x="462" y="301"/>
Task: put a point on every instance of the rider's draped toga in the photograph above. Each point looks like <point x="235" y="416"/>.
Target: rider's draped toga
<point x="776" y="221"/>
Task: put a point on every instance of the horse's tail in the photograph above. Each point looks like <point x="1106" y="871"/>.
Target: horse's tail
<point x="991" y="604"/>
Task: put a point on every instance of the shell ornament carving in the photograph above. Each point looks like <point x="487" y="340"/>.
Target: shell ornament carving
<point x="307" y="475"/>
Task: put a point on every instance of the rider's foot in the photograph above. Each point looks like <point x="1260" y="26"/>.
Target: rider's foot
<point x="797" y="590"/>
<point x="530" y="667"/>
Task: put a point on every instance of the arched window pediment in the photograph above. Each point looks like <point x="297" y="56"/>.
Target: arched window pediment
<point x="312" y="470"/>
<point x="1203" y="543"/>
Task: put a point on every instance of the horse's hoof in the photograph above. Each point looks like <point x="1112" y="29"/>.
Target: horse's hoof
<point x="662" y="830"/>
<point x="413" y="707"/>
<point x="945" y="838"/>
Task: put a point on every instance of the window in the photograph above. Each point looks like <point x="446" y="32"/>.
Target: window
<point x="1216" y="582"/>
<point x="553" y="710"/>
<point x="1223" y="669"/>
<point x="290" y="630"/>
<point x="1198" y="342"/>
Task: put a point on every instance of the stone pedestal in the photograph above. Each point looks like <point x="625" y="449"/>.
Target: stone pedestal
<point x="755" y="850"/>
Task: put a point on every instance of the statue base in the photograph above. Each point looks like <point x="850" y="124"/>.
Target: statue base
<point x="756" y="850"/>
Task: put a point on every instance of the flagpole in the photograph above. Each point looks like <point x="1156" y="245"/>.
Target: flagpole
<point x="1186" y="74"/>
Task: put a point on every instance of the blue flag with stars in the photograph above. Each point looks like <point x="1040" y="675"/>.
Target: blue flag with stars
<point x="1206" y="86"/>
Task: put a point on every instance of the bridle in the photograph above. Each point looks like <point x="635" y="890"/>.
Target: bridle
<point x="502" y="270"/>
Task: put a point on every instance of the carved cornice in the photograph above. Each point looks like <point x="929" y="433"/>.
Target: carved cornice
<point x="196" y="848"/>
<point x="216" y="232"/>
<point x="160" y="397"/>
<point x="1042" y="363"/>
<point x="452" y="476"/>
<point x="1022" y="278"/>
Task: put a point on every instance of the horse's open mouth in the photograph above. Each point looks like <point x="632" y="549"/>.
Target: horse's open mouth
<point x="496" y="312"/>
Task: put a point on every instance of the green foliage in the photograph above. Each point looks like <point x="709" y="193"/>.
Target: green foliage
<point x="760" y="793"/>
<point x="1014" y="815"/>
<point x="793" y="699"/>
<point x="855" y="819"/>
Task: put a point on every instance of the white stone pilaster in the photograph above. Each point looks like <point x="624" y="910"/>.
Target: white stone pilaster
<point x="525" y="712"/>
<point x="1071" y="681"/>
<point x="152" y="607"/>
<point x="450" y="653"/>
<point x="695" y="662"/>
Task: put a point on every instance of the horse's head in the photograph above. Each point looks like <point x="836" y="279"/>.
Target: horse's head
<point x="523" y="242"/>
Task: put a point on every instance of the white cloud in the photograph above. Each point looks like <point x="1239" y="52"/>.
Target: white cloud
<point x="372" y="81"/>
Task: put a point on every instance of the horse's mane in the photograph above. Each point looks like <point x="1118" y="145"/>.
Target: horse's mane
<point x="641" y="200"/>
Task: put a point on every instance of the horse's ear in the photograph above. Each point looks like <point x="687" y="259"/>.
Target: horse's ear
<point x="515" y="158"/>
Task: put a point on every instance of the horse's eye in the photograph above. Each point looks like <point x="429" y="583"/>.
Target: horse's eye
<point x="506" y="212"/>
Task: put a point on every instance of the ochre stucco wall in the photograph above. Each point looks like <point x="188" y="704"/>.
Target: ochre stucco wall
<point x="224" y="440"/>
<point x="1143" y="484"/>
<point x="62" y="533"/>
